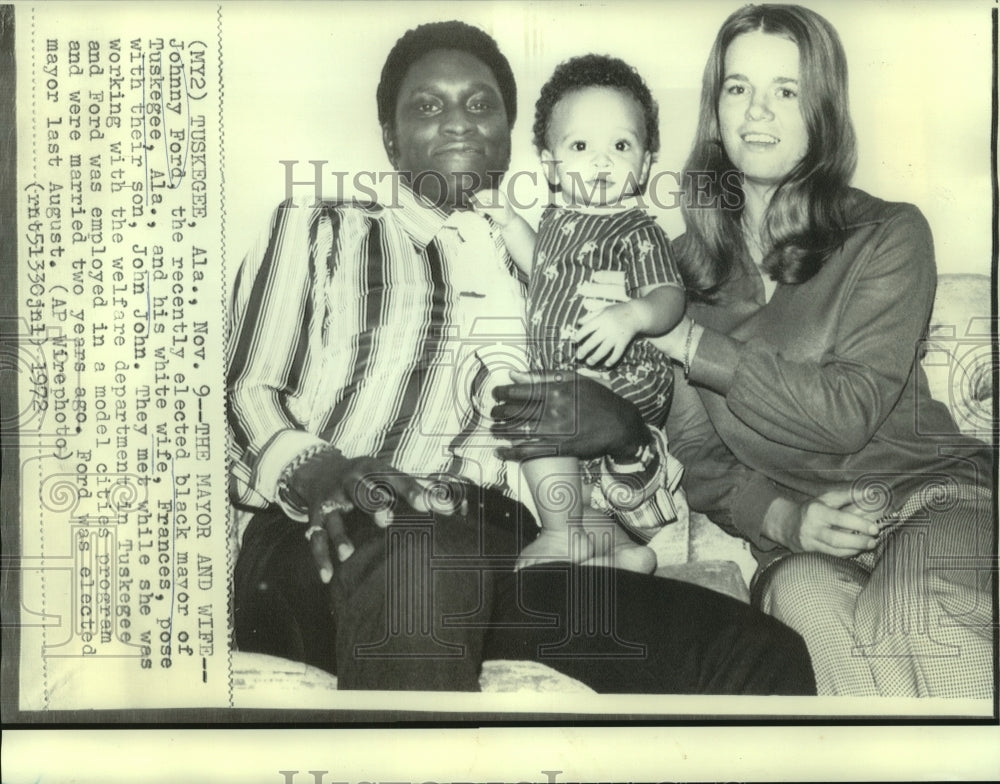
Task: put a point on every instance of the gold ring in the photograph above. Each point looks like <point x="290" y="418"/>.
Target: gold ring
<point x="311" y="530"/>
<point x="334" y="506"/>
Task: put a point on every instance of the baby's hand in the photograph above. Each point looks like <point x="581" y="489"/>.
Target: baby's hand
<point x="517" y="235"/>
<point x="602" y="337"/>
<point x="494" y="204"/>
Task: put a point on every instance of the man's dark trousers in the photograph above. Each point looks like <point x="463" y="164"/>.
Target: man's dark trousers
<point x="421" y="604"/>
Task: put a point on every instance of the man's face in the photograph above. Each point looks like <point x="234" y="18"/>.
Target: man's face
<point x="451" y="135"/>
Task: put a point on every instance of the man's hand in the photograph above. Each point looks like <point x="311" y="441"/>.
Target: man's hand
<point x="330" y="485"/>
<point x="603" y="336"/>
<point x="546" y="413"/>
<point x="829" y="524"/>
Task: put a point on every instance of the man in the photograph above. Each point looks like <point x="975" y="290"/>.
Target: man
<point x="382" y="529"/>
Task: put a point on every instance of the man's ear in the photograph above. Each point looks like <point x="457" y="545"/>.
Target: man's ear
<point x="549" y="164"/>
<point x="389" y="142"/>
<point x="647" y="161"/>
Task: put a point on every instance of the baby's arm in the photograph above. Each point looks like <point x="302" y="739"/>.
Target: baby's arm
<point x="519" y="238"/>
<point x="518" y="235"/>
<point x="602" y="337"/>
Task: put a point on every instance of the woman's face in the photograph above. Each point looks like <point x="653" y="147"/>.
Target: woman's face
<point x="760" y="117"/>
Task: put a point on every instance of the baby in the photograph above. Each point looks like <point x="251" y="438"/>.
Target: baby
<point x="600" y="276"/>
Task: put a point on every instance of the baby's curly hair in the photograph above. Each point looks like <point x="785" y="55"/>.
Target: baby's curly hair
<point x="595" y="70"/>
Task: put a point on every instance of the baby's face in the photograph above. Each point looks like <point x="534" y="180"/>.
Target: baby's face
<point x="597" y="147"/>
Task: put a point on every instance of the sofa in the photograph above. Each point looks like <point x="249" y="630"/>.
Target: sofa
<point x="957" y="357"/>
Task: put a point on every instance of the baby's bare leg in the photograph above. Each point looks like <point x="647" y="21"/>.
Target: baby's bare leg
<point x="609" y="544"/>
<point x="557" y="488"/>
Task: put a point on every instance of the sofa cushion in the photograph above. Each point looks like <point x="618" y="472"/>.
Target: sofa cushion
<point x="956" y="355"/>
<point x="262" y="681"/>
<point x="721" y="576"/>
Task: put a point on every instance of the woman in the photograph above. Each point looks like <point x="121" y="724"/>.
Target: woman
<point x="803" y="423"/>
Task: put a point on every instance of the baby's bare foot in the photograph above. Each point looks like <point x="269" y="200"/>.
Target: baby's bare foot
<point x="631" y="557"/>
<point x="567" y="545"/>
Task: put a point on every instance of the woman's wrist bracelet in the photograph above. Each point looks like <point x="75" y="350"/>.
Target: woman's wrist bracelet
<point x="686" y="364"/>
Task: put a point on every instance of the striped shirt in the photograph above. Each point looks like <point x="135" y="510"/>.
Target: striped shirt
<point x="363" y="326"/>
<point x="578" y="257"/>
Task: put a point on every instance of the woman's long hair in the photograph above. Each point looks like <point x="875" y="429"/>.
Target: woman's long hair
<point x="804" y="221"/>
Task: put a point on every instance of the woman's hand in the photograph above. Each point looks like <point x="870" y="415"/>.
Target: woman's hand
<point x="553" y="412"/>
<point x="830" y="523"/>
<point x="330" y="485"/>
